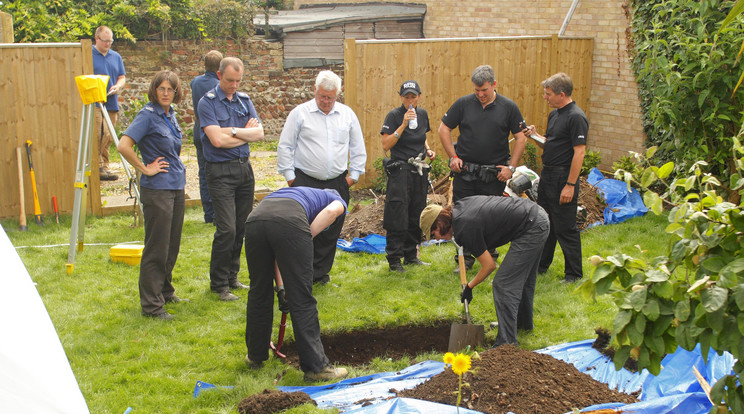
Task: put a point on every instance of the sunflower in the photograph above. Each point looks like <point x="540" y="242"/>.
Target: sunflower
<point x="460" y="364"/>
<point x="448" y="358"/>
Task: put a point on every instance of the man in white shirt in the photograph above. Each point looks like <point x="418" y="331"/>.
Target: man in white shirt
<point x="322" y="146"/>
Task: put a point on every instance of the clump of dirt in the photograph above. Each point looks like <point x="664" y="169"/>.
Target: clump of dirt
<point x="592" y="203"/>
<point x="602" y="344"/>
<point x="273" y="401"/>
<point x="510" y="379"/>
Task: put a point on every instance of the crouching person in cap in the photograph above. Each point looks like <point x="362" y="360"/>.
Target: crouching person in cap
<point x="279" y="232"/>
<point x="481" y="223"/>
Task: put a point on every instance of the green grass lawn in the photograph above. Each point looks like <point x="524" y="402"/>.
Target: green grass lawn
<point x="122" y="359"/>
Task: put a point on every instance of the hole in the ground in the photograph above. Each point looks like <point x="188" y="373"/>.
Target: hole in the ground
<point x="361" y="347"/>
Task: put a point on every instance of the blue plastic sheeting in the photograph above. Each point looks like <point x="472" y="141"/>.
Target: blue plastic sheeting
<point x="204" y="386"/>
<point x="374" y="243"/>
<point x="621" y="203"/>
<point x="410" y="405"/>
<point x="349" y="395"/>
<point x="674" y="391"/>
<point x="591" y="362"/>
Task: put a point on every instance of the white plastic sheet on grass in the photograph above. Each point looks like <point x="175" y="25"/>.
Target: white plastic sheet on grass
<point x="35" y="376"/>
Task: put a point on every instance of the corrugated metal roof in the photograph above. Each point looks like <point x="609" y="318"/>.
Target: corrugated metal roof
<point x="323" y="16"/>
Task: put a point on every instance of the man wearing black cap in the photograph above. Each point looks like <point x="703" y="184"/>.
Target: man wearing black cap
<point x="481" y="162"/>
<point x="404" y="134"/>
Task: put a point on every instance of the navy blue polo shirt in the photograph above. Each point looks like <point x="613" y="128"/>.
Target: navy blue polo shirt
<point x="113" y="66"/>
<point x="412" y="142"/>
<point x="567" y="128"/>
<point x="484" y="132"/>
<point x="216" y="109"/>
<point x="313" y="200"/>
<point x="200" y="86"/>
<point x="157" y="134"/>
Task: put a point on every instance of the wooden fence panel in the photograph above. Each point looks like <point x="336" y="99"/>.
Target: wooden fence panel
<point x="374" y="70"/>
<point x="41" y="103"/>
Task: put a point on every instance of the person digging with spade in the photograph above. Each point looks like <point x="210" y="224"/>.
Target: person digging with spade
<point x="482" y="223"/>
<point x="279" y="236"/>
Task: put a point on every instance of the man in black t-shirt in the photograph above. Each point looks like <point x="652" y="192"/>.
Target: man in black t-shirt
<point x="481" y="162"/>
<point x="480" y="223"/>
<point x="563" y="156"/>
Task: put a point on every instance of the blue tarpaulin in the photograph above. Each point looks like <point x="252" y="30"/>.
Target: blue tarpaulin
<point x="621" y="203"/>
<point x="674" y="391"/>
<point x="374" y="243"/>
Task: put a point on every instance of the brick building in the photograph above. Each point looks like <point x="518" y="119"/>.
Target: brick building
<point x="614" y="113"/>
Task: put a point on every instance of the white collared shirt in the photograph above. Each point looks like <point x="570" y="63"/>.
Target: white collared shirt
<point x="321" y="145"/>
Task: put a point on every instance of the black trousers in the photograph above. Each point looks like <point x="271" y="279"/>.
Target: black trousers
<point x="163" y="213"/>
<point x="563" y="228"/>
<point x="324" y="244"/>
<point x="464" y="186"/>
<point x="278" y="231"/>
<point x="515" y="280"/>
<point x="404" y="200"/>
<point x="231" y="186"/>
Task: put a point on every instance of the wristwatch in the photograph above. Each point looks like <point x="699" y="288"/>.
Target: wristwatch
<point x="512" y="169"/>
<point x="234" y="132"/>
<point x="396" y="134"/>
<point x="571" y="184"/>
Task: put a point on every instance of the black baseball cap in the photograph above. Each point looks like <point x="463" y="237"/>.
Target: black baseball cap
<point x="410" y="86"/>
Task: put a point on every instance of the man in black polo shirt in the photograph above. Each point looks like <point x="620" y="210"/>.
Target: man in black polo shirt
<point x="481" y="162"/>
<point x="563" y="155"/>
<point x="230" y="122"/>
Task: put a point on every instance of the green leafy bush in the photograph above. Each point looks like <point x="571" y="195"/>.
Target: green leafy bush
<point x="591" y="160"/>
<point x="628" y="163"/>
<point x="686" y="71"/>
<point x="379" y="183"/>
<point x="530" y="159"/>
<point x="695" y="293"/>
<point x="69" y="20"/>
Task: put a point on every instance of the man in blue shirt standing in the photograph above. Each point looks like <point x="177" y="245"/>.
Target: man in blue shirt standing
<point x="229" y="121"/>
<point x="107" y="62"/>
<point x="199" y="86"/>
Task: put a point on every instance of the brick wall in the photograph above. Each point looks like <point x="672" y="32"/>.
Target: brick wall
<point x="273" y="90"/>
<point x="614" y="112"/>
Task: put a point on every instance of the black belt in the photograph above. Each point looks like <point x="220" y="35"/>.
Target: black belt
<point x="557" y="167"/>
<point x="241" y="160"/>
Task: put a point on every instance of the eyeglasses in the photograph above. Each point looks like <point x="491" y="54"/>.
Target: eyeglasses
<point x="166" y="91"/>
<point x="106" y="41"/>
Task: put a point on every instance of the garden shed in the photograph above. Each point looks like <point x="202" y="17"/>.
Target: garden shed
<point x="313" y="35"/>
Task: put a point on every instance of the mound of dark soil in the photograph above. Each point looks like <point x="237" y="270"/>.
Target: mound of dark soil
<point x="508" y="378"/>
<point x="273" y="401"/>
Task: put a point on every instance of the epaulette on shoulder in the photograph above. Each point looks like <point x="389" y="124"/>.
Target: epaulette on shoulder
<point x="211" y="95"/>
<point x="150" y="108"/>
<point x="242" y="94"/>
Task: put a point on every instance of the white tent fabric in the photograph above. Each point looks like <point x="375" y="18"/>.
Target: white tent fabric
<point x="35" y="375"/>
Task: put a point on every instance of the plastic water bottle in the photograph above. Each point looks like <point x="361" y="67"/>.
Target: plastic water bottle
<point x="413" y="124"/>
